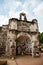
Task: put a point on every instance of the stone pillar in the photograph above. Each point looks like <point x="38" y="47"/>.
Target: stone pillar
<point x="24" y="15"/>
<point x="32" y="49"/>
<point x="13" y="50"/>
<point x="8" y="48"/>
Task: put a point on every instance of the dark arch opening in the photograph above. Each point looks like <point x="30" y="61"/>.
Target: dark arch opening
<point x="23" y="44"/>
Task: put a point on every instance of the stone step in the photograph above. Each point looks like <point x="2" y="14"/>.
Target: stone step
<point x="11" y="62"/>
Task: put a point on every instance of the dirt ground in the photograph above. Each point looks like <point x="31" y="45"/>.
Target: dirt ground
<point x="27" y="60"/>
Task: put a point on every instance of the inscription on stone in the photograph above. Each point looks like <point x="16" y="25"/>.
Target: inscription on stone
<point x="23" y="26"/>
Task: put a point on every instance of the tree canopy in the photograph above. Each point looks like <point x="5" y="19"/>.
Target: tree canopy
<point x="41" y="37"/>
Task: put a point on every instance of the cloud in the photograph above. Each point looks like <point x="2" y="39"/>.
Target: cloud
<point x="3" y="20"/>
<point x="39" y="9"/>
<point x="13" y="14"/>
<point x="12" y="8"/>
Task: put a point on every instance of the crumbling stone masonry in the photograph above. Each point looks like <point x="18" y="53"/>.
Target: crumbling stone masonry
<point x="19" y="37"/>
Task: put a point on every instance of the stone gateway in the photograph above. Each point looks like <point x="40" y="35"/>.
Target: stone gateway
<point x="19" y="37"/>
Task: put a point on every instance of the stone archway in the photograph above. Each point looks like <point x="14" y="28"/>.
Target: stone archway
<point x="23" y="43"/>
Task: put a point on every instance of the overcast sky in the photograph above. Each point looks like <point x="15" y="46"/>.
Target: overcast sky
<point x="12" y="8"/>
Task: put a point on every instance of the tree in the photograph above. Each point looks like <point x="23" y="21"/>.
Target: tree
<point x="41" y="37"/>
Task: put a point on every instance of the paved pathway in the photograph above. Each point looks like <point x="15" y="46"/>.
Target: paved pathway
<point x="27" y="60"/>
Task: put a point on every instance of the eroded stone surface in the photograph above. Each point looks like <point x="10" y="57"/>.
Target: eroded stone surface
<point x="21" y="33"/>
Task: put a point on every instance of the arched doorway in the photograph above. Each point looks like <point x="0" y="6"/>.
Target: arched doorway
<point x="23" y="44"/>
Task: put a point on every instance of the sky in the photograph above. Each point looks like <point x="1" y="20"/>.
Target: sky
<point x="12" y="9"/>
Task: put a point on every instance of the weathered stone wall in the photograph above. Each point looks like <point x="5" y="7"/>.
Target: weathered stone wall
<point x="13" y="24"/>
<point x="24" y="28"/>
<point x="27" y="26"/>
<point x="0" y="36"/>
<point x="20" y="30"/>
<point x="21" y="25"/>
<point x="11" y="36"/>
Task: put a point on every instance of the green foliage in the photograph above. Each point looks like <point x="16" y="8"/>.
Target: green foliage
<point x="41" y="37"/>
